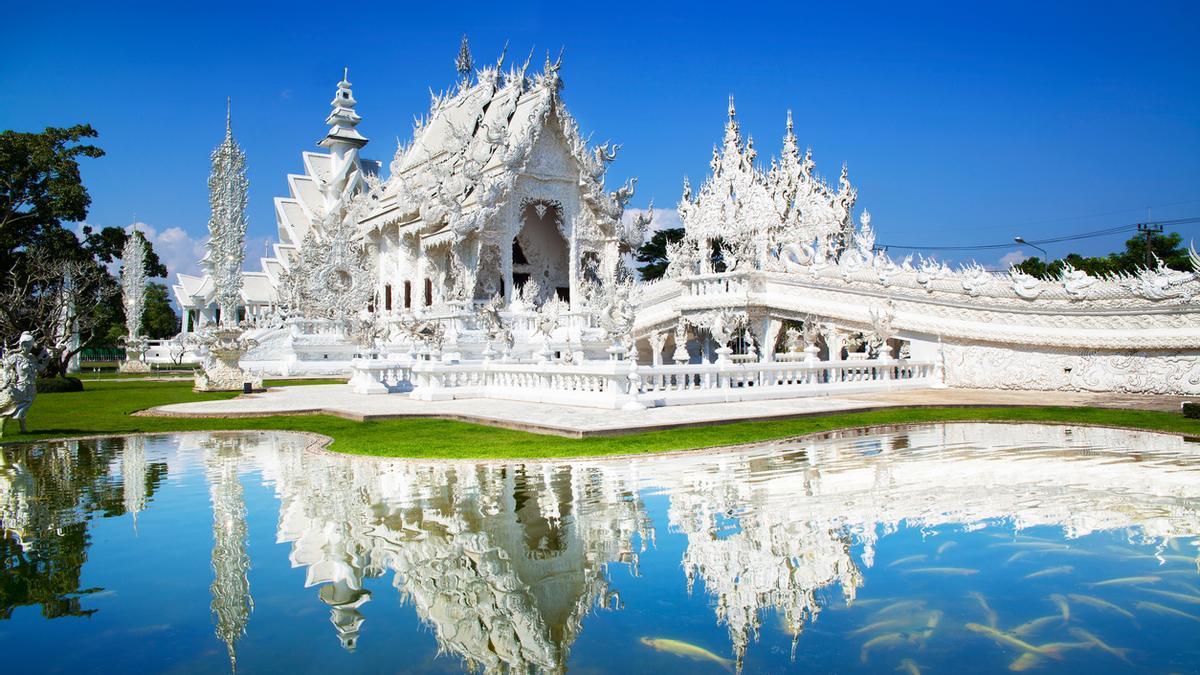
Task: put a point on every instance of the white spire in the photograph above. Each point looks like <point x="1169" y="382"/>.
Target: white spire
<point x="343" y="119"/>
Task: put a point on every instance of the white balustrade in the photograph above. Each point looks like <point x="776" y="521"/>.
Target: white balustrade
<point x="609" y="384"/>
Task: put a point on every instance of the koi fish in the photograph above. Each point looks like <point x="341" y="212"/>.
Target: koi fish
<point x="1063" y="606"/>
<point x="686" y="650"/>
<point x="1126" y="581"/>
<point x="903" y="605"/>
<point x="945" y="547"/>
<point x="911" y="558"/>
<point x="882" y="625"/>
<point x="1049" y="571"/>
<point x="1099" y="604"/>
<point x="1119" y="652"/>
<point x="1017" y="556"/>
<point x="1025" y="662"/>
<point x="910" y="667"/>
<point x="1163" y="609"/>
<point x="886" y="640"/>
<point x="1032" y="626"/>
<point x="1182" y="597"/>
<point x="1011" y="641"/>
<point x="990" y="613"/>
<point x="957" y="571"/>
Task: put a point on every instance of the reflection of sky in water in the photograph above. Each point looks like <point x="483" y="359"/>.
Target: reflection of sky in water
<point x="940" y="548"/>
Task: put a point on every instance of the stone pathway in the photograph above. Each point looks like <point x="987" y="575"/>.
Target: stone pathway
<point x="572" y="421"/>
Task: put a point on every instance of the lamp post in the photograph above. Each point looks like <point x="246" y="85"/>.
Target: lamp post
<point x="1021" y="240"/>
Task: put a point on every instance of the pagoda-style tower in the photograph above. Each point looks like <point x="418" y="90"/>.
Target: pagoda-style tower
<point x="343" y="142"/>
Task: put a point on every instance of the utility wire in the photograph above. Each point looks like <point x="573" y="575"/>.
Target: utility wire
<point x="1051" y="240"/>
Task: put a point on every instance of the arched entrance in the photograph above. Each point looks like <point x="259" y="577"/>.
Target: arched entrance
<point x="539" y="251"/>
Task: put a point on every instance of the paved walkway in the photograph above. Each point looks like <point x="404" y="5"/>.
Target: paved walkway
<point x="338" y="399"/>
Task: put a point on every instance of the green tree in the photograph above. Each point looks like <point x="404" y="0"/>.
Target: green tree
<point x="46" y="268"/>
<point x="40" y="185"/>
<point x="1167" y="247"/>
<point x="653" y="253"/>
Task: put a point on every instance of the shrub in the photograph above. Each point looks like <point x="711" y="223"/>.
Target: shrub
<point x="1190" y="409"/>
<point x="58" y="385"/>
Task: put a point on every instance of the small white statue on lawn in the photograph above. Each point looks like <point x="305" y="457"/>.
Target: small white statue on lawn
<point x="18" y="381"/>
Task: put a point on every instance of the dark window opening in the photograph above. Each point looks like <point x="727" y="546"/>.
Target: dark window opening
<point x="519" y="279"/>
<point x="428" y="292"/>
<point x="387" y="297"/>
<point x="564" y="293"/>
<point x="408" y="295"/>
<point x="518" y="255"/>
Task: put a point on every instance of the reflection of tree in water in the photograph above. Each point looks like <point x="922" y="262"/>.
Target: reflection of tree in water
<point x="502" y="562"/>
<point x="48" y="493"/>
<point x="231" y="600"/>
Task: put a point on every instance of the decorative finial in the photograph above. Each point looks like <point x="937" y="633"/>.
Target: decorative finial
<point x="789" y="120"/>
<point x="732" y="109"/>
<point x="346" y="74"/>
<point x="228" y="116"/>
<point x="463" y="63"/>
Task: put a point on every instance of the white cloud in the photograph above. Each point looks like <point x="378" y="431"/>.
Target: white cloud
<point x="663" y="219"/>
<point x="178" y="250"/>
<point x="1012" y="258"/>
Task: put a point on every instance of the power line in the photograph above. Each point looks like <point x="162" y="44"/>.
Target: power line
<point x="1052" y="240"/>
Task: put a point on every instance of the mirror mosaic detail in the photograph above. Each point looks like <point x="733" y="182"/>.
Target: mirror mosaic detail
<point x="924" y="549"/>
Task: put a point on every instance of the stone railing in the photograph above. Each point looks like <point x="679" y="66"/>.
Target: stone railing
<point x="372" y="375"/>
<point x="620" y="384"/>
<point x="720" y="283"/>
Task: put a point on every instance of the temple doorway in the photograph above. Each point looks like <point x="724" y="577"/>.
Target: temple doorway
<point x="540" y="252"/>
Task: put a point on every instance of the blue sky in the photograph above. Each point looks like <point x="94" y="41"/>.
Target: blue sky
<point x="961" y="124"/>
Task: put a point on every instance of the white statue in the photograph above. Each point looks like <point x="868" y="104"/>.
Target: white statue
<point x="18" y="381"/>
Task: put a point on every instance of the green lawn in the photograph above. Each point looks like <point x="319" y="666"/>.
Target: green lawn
<point x="104" y="407"/>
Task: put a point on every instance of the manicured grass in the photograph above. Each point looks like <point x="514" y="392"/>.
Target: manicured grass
<point x="105" y="407"/>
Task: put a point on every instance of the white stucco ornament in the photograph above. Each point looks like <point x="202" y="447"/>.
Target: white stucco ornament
<point x="18" y="380"/>
<point x="133" y="298"/>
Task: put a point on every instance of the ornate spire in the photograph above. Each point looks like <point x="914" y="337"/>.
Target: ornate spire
<point x="227" y="195"/>
<point x="733" y="134"/>
<point x="790" y="148"/>
<point x="463" y="64"/>
<point x="343" y="119"/>
<point x="133" y="281"/>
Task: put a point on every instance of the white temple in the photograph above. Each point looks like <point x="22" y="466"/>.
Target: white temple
<point x="488" y="263"/>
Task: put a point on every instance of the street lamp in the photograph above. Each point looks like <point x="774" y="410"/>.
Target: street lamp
<point x="1021" y="240"/>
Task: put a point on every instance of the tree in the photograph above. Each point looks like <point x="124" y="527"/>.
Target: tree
<point x="62" y="302"/>
<point x="55" y="283"/>
<point x="160" y="320"/>
<point x="1168" y="248"/>
<point x="654" y="253"/>
<point x="40" y="186"/>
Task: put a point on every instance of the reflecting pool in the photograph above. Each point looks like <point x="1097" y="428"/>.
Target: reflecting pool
<point x="935" y="548"/>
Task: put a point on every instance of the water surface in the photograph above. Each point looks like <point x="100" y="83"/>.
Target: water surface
<point x="937" y="548"/>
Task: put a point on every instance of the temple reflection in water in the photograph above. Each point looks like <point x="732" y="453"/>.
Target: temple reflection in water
<point x="504" y="562"/>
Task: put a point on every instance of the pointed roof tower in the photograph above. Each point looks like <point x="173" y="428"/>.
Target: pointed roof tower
<point x="464" y="63"/>
<point x="343" y="120"/>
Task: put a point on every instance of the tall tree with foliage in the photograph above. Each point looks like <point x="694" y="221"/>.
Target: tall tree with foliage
<point x="54" y="283"/>
<point x="1168" y="248"/>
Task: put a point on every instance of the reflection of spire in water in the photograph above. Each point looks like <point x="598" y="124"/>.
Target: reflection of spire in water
<point x="133" y="476"/>
<point x="231" y="600"/>
<point x="502" y="562"/>
<point x="344" y="602"/>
